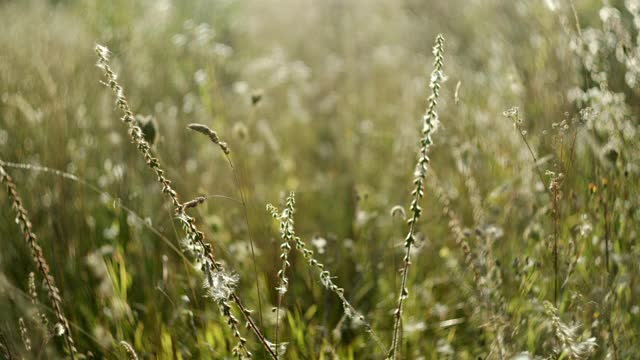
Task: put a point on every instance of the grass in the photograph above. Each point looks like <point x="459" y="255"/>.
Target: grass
<point x="146" y="237"/>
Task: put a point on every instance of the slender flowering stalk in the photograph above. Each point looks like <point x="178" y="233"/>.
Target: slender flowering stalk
<point x="429" y="126"/>
<point x="53" y="293"/>
<point x="195" y="240"/>
<point x="288" y="235"/>
<point x="326" y="279"/>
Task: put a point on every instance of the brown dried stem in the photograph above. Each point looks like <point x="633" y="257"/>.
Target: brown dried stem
<point x="53" y="293"/>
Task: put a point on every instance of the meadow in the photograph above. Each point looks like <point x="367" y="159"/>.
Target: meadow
<point x="339" y="179"/>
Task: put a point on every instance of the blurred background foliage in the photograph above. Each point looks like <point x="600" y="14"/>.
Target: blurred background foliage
<point x="325" y="98"/>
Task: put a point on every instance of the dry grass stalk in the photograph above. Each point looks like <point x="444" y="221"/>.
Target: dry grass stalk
<point x="53" y="293"/>
<point x="211" y="268"/>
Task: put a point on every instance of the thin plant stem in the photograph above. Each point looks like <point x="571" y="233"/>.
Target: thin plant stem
<point x="556" y="216"/>
<point x="243" y="200"/>
<point x="221" y="291"/>
<point x="213" y="137"/>
<point x="514" y="115"/>
<point x="533" y="155"/>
